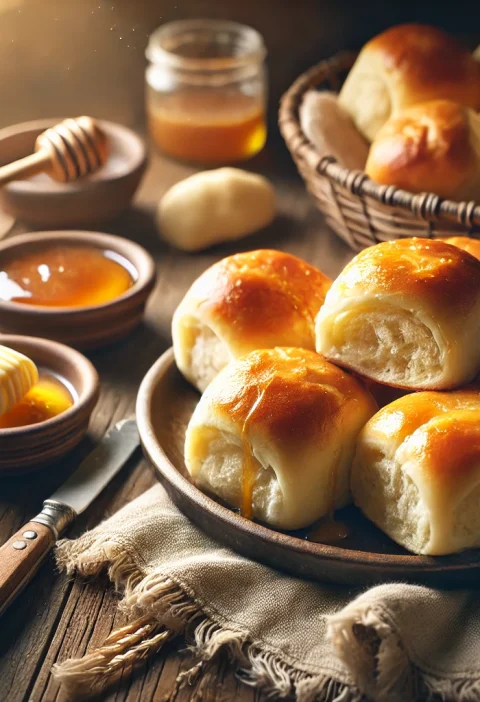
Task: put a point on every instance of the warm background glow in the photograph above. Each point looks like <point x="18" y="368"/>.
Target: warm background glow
<point x="60" y="57"/>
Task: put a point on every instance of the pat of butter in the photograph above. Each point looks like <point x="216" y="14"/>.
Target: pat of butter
<point x="18" y="374"/>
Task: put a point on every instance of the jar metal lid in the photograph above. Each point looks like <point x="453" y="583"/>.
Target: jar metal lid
<point x="171" y="45"/>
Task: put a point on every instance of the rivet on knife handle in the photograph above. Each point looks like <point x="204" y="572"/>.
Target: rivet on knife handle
<point x="20" y="557"/>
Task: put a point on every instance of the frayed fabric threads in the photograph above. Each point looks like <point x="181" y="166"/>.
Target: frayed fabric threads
<point x="162" y="612"/>
<point x="294" y="639"/>
<point x="366" y="639"/>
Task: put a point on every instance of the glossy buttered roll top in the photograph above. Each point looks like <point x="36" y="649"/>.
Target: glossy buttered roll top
<point x="434" y="146"/>
<point x="405" y="313"/>
<point x="417" y="471"/>
<point x="471" y="246"/>
<point x="274" y="434"/>
<point x="259" y="299"/>
<point x="406" y="65"/>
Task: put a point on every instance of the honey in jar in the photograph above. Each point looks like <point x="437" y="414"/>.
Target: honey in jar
<point x="206" y="91"/>
<point x="208" y="127"/>
<point x="47" y="399"/>
<point x="65" y="276"/>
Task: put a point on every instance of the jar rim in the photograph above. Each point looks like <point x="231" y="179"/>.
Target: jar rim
<point x="254" y="50"/>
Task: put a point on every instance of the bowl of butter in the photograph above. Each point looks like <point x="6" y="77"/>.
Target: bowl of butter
<point x="47" y="394"/>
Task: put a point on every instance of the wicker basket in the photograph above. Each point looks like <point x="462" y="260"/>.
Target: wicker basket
<point x="359" y="210"/>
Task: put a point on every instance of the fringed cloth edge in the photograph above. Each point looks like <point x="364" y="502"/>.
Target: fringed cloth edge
<point x="158" y="610"/>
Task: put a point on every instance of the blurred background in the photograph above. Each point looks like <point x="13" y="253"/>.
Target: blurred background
<point x="67" y="57"/>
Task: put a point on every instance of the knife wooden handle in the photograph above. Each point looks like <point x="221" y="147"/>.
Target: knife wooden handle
<point x="20" y="558"/>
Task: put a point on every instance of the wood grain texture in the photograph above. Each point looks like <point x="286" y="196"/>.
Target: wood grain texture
<point x="57" y="617"/>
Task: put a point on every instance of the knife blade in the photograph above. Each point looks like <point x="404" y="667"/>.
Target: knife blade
<point x="22" y="554"/>
<point x="100" y="466"/>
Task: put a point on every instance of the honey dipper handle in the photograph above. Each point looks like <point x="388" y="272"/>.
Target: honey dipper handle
<point x="25" y="167"/>
<point x="20" y="558"/>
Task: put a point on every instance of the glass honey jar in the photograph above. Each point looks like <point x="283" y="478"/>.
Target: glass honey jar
<point x="206" y="91"/>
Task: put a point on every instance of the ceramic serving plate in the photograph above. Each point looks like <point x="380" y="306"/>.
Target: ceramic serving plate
<point x="164" y="406"/>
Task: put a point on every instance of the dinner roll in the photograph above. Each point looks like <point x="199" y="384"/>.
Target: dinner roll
<point x="275" y="433"/>
<point x="434" y="146"/>
<point x="417" y="471"/>
<point x="405" y="65"/>
<point x="253" y="300"/>
<point x="466" y="243"/>
<point x="405" y="313"/>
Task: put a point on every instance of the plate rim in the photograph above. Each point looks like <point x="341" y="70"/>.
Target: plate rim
<point x="157" y="456"/>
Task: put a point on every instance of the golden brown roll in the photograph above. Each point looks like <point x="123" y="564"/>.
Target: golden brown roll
<point x="275" y="433"/>
<point x="417" y="471"/>
<point x="253" y="300"/>
<point x="405" y="65"/>
<point x="405" y="313"/>
<point x="472" y="246"/>
<point x="434" y="146"/>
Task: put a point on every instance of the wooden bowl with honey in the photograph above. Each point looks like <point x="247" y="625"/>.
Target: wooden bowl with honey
<point x="84" y="289"/>
<point x="54" y="415"/>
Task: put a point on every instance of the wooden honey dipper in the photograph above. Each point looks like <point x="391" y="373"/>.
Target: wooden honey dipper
<point x="70" y="150"/>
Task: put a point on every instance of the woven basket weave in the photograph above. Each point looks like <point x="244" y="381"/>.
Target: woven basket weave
<point x="359" y="210"/>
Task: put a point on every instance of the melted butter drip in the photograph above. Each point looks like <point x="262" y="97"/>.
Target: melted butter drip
<point x="47" y="399"/>
<point x="248" y="477"/>
<point x="248" y="467"/>
<point x="330" y="531"/>
<point x="62" y="276"/>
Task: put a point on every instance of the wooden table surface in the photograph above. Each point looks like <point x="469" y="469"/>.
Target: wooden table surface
<point x="57" y="617"/>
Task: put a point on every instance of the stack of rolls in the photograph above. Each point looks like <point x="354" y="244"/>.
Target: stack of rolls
<point x="412" y="99"/>
<point x="288" y="428"/>
<point x="404" y="66"/>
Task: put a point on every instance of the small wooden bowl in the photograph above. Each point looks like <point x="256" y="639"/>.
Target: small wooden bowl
<point x="42" y="202"/>
<point x="31" y="447"/>
<point x="82" y="327"/>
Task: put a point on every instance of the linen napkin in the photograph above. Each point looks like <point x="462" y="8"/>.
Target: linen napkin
<point x="292" y="638"/>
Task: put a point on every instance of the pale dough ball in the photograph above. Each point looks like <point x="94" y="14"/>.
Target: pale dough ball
<point x="214" y="206"/>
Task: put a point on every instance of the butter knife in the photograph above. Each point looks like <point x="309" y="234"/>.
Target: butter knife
<point x="22" y="554"/>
